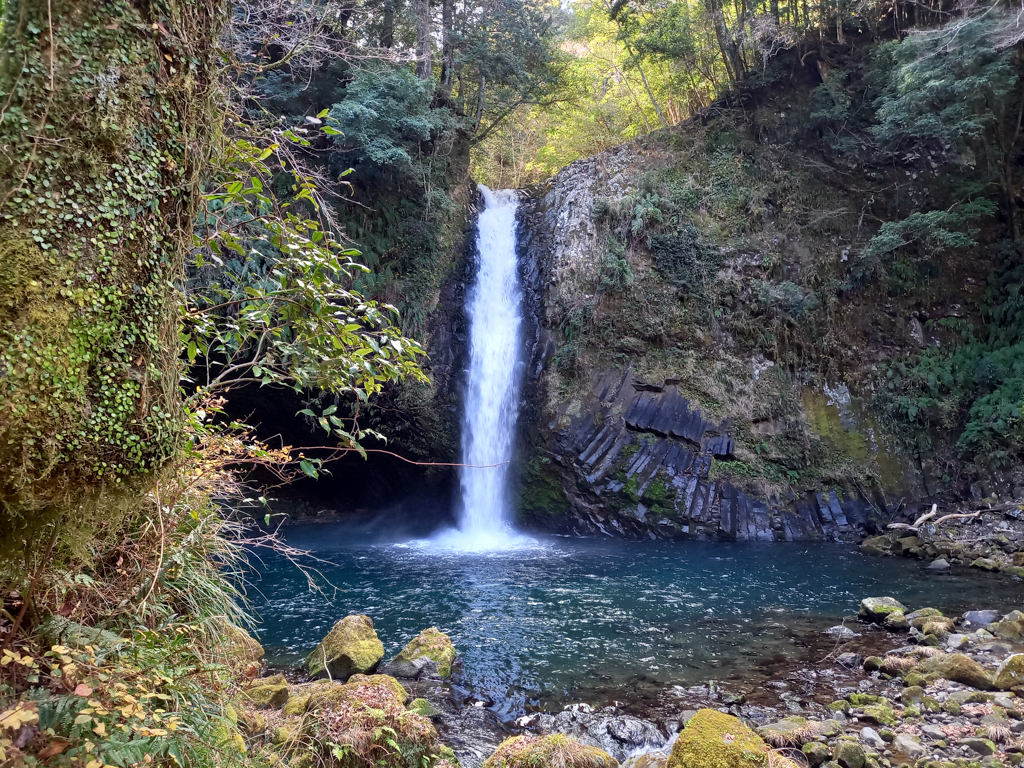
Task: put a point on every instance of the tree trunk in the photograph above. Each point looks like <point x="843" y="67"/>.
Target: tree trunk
<point x="387" y="32"/>
<point x="107" y="125"/>
<point x="447" y="47"/>
<point x="424" y="65"/>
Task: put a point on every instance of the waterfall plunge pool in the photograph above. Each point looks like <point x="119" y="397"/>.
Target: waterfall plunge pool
<point x="571" y="620"/>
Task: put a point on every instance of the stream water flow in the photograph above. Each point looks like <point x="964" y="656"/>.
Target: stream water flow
<point x="494" y="310"/>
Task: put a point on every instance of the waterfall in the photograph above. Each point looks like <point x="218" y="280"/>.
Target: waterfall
<point x="494" y="309"/>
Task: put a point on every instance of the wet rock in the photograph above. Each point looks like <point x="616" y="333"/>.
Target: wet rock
<point x="875" y="609"/>
<point x="351" y="647"/>
<point x="429" y="654"/>
<point x="979" y="745"/>
<point x="849" y="754"/>
<point x="981" y="618"/>
<point x="647" y="760"/>
<point x="849" y="660"/>
<point x="554" y="749"/>
<point x="939" y="565"/>
<point x="870" y="737"/>
<point x="933" y="732"/>
<point x="958" y="668"/>
<point x="844" y="633"/>
<point x="912" y="695"/>
<point x="423" y="708"/>
<point x="908" y="744"/>
<point x="715" y="740"/>
<point x="618" y="735"/>
<point x="922" y="613"/>
<point x="1010" y="675"/>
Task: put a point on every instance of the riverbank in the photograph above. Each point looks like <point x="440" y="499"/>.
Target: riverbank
<point x="897" y="687"/>
<point x="988" y="539"/>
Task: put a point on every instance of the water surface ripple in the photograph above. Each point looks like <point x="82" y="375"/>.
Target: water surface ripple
<point x="570" y="618"/>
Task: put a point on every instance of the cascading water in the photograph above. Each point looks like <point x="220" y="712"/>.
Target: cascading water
<point x="492" y="386"/>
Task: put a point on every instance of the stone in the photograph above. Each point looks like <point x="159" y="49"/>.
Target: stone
<point x="849" y="660"/>
<point x="870" y="737"/>
<point x="958" y="668"/>
<point x="933" y="732"/>
<point x="816" y="753"/>
<point x="647" y="760"/>
<point x="941" y="627"/>
<point x="789" y="732"/>
<point x="1010" y="674"/>
<point x="939" y="565"/>
<point x="713" y="739"/>
<point x="897" y="622"/>
<point x="912" y="694"/>
<point x="1014" y="570"/>
<point x="881" y="714"/>
<point x="981" y="618"/>
<point x="877" y="545"/>
<point x="849" y="754"/>
<point x="841" y="632"/>
<point x="872" y="663"/>
<point x="351" y="647"/>
<point x="875" y="609"/>
<point x="957" y="641"/>
<point x="979" y="745"/>
<point x="555" y="749"/>
<point x="1010" y="628"/>
<point x="986" y="564"/>
<point x="908" y="744"/>
<point x="923" y="613"/>
<point x="429" y="654"/>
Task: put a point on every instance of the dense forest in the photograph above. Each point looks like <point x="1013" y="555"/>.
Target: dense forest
<point x="211" y="205"/>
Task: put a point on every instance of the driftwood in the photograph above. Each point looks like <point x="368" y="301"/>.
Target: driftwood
<point x="929" y="515"/>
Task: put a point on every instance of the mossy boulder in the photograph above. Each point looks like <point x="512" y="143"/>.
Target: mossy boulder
<point x="1010" y="628"/>
<point x="1010" y="675"/>
<point x="881" y="714"/>
<point x="877" y="545"/>
<point x="958" y="668"/>
<point x="815" y="753"/>
<point x="986" y="564"/>
<point x="368" y="713"/>
<point x="351" y="647"/>
<point x="897" y="622"/>
<point x="789" y="732"/>
<point x="268" y="696"/>
<point x="712" y="739"/>
<point x="553" y="750"/>
<point x="875" y="609"/>
<point x="849" y="754"/>
<point x="238" y="650"/>
<point x="429" y="654"/>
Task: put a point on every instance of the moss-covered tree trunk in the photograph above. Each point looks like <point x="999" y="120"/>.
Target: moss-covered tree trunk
<point x="107" y="108"/>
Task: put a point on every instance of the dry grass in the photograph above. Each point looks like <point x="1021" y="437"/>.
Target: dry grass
<point x="793" y="737"/>
<point x="780" y="758"/>
<point x="554" y="751"/>
<point x="895" y="665"/>
<point x="998" y="733"/>
<point x="926" y="652"/>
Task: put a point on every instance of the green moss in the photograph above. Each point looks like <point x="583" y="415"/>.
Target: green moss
<point x="542" y="493"/>
<point x="351" y="647"/>
<point x="544" y="751"/>
<point x="98" y="217"/>
<point x="433" y="644"/>
<point x="712" y="739"/>
<point x="268" y="696"/>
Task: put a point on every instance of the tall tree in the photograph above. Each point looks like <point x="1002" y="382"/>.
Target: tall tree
<point x="107" y="121"/>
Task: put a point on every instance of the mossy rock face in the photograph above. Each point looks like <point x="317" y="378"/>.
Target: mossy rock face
<point x="555" y="749"/>
<point x="351" y="647"/>
<point x="268" y="696"/>
<point x="712" y="739"/>
<point x="875" y="609"/>
<point x="430" y="653"/>
<point x="378" y="691"/>
<point x="238" y="649"/>
<point x="958" y="668"/>
<point x="1010" y="675"/>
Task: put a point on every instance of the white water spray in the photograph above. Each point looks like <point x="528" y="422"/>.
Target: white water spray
<point x="492" y="387"/>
